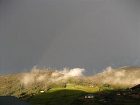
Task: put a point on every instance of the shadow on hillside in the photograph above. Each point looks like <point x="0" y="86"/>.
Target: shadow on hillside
<point x="57" y="97"/>
<point x="110" y="97"/>
<point x="78" y="97"/>
<point x="11" y="100"/>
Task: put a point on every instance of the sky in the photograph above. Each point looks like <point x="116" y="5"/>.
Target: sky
<point x="90" y="34"/>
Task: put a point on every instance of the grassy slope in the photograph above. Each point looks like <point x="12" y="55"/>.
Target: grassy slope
<point x="74" y="95"/>
<point x="63" y="96"/>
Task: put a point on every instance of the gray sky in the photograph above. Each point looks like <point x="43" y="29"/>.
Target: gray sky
<point x="92" y="34"/>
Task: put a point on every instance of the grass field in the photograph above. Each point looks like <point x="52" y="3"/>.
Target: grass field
<point x="75" y="95"/>
<point x="62" y="96"/>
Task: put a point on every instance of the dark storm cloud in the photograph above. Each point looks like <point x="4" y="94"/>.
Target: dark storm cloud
<point x="72" y="33"/>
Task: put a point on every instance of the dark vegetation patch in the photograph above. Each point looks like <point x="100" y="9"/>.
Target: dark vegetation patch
<point x="112" y="97"/>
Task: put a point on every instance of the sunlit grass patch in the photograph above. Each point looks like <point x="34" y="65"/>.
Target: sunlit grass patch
<point x="57" y="96"/>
